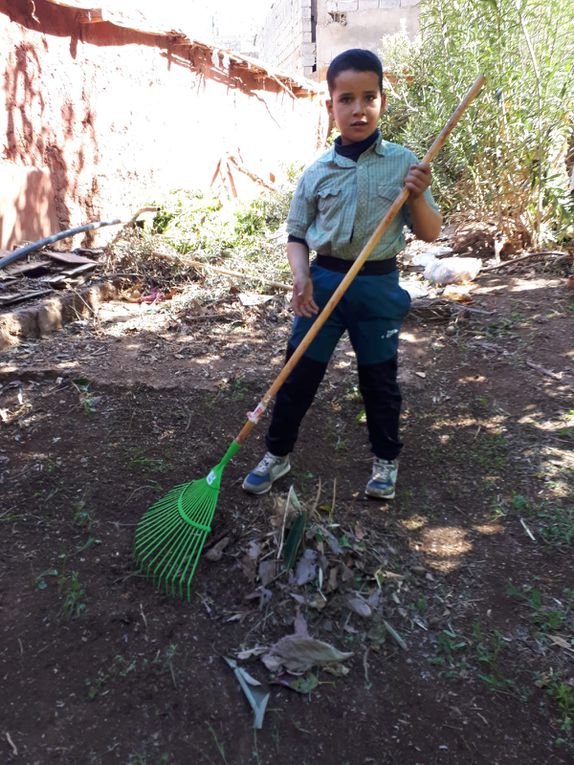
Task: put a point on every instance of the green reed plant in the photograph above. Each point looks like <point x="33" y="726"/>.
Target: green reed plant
<point x="507" y="161"/>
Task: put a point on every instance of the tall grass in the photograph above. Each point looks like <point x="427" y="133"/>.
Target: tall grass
<point x="507" y="159"/>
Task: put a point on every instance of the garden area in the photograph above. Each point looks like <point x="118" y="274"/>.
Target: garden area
<point x="321" y="626"/>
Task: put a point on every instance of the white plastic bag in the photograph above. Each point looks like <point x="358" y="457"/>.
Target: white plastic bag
<point x="424" y="259"/>
<point x="453" y="270"/>
<point x="431" y="253"/>
<point x="414" y="288"/>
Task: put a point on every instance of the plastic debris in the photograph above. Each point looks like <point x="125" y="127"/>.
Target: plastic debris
<point x="459" y="293"/>
<point x="415" y="289"/>
<point x="293" y="540"/>
<point x="253" y="298"/>
<point x="306" y="570"/>
<point x="452" y="270"/>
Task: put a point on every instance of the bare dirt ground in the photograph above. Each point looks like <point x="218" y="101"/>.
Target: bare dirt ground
<point x="455" y="601"/>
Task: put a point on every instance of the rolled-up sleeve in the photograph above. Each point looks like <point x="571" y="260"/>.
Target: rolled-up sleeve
<point x="302" y="210"/>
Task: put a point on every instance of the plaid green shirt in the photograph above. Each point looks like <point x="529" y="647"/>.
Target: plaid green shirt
<point x="338" y="203"/>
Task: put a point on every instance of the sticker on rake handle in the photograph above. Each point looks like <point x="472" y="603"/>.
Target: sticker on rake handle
<point x="257" y="413"/>
<point x="211" y="478"/>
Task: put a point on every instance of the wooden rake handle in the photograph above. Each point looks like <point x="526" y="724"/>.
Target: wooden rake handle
<point x="255" y="416"/>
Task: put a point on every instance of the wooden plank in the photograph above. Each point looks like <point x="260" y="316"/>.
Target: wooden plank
<point x="19" y="297"/>
<point x="69" y="258"/>
<point x="26" y="268"/>
<point x="83" y="267"/>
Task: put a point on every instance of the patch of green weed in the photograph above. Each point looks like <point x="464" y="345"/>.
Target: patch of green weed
<point x="218" y="743"/>
<point x="41" y="583"/>
<point x="480" y="652"/>
<point x="561" y="690"/>
<point x="547" y="615"/>
<point x="451" y="648"/>
<point x="139" y="459"/>
<point x="119" y="668"/>
<point x="73" y="594"/>
<point x="489" y="451"/>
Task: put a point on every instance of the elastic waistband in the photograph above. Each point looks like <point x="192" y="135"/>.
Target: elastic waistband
<point x="370" y="268"/>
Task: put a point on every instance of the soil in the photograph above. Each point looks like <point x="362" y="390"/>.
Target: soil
<point x="456" y="599"/>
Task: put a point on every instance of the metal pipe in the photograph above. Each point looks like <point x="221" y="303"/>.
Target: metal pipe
<point x="33" y="246"/>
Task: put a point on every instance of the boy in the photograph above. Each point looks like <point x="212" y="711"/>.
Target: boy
<point x="337" y="205"/>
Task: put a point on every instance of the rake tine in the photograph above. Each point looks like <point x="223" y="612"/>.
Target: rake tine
<point x="192" y="558"/>
<point x="151" y="541"/>
<point x="184" y="551"/>
<point x="168" y="556"/>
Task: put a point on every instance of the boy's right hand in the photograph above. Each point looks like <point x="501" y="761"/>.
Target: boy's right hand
<point x="302" y="301"/>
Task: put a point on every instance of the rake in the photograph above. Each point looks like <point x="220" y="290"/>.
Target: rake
<point x="170" y="536"/>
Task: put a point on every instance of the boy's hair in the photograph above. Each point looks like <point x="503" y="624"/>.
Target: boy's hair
<point x="358" y="60"/>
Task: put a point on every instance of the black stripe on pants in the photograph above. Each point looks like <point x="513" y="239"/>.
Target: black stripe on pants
<point x="382" y="398"/>
<point x="293" y="400"/>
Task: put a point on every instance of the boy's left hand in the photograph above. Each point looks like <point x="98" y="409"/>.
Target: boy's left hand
<point x="418" y="179"/>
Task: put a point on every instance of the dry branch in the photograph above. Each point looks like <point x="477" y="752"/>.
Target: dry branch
<point x="225" y="271"/>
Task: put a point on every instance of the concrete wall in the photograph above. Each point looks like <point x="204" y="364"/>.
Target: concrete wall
<point x="286" y="39"/>
<point x="346" y="24"/>
<point x="303" y="37"/>
<point x="99" y="120"/>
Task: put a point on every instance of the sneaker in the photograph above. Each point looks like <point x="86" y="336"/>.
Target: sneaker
<point x="383" y="479"/>
<point x="270" y="468"/>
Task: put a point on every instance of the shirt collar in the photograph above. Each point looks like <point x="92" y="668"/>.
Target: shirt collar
<point x="332" y="156"/>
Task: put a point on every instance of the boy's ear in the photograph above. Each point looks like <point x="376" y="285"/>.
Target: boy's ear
<point x="329" y="105"/>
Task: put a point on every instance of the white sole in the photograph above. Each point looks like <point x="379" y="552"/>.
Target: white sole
<point x="379" y="496"/>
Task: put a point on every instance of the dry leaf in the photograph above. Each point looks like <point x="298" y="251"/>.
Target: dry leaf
<point x="297" y="654"/>
<point x="306" y="570"/>
<point x="561" y="642"/>
<point x="267" y="571"/>
<point x="359" y="606"/>
<point x="248" y="653"/>
<point x="215" y="553"/>
<point x="249" y="560"/>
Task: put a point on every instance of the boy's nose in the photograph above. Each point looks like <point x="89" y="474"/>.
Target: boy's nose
<point x="358" y="106"/>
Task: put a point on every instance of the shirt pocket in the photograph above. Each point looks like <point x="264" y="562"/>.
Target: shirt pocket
<point x="386" y="194"/>
<point x="389" y="192"/>
<point x="328" y="200"/>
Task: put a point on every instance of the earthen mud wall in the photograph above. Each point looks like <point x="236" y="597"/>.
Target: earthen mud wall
<point x="100" y="120"/>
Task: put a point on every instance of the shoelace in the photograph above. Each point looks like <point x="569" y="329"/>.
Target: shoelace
<point x="382" y="470"/>
<point x="267" y="463"/>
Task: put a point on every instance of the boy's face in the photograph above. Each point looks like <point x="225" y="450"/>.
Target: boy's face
<point x="356" y="103"/>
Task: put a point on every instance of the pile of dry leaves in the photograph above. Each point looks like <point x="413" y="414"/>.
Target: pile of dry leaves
<point x="338" y="587"/>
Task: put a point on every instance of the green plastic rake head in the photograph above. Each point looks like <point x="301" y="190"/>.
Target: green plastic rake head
<point x="170" y="536"/>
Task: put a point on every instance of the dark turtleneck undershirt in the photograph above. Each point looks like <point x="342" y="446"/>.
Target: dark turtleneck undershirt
<point x="354" y="150"/>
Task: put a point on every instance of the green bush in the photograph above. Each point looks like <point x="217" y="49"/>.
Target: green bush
<point x="194" y="222"/>
<point x="208" y="229"/>
<point x="507" y="158"/>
